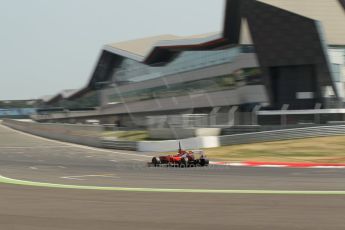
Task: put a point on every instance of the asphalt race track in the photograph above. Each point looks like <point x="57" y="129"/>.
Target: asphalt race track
<point x="51" y="185"/>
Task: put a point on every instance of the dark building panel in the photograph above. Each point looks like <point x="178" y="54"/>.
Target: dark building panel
<point x="232" y="21"/>
<point x="294" y="85"/>
<point x="342" y="2"/>
<point x="282" y="38"/>
<point x="161" y="56"/>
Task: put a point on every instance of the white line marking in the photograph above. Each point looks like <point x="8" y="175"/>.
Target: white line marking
<point x="71" y="178"/>
<point x="328" y="167"/>
<point x="113" y="161"/>
<point x="61" y="167"/>
<point x="272" y="166"/>
<point x="82" y="176"/>
<point x="236" y="164"/>
<point x="33" y="168"/>
<point x="136" y="160"/>
<point x="31" y="147"/>
<point x="7" y="180"/>
<point x="227" y="164"/>
<point x="275" y="166"/>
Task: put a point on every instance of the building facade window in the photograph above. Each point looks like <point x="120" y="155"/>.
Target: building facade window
<point x="132" y="71"/>
<point x="250" y="76"/>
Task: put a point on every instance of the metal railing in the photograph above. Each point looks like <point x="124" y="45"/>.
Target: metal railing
<point x="122" y="145"/>
<point x="278" y="135"/>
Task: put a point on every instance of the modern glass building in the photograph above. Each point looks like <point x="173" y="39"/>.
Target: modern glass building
<point x="271" y="54"/>
<point x="184" y="80"/>
<point x="17" y="108"/>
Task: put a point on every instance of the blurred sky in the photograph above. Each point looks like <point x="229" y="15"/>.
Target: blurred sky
<point x="50" y="45"/>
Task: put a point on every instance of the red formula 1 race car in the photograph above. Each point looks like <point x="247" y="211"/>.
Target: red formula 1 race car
<point x="183" y="158"/>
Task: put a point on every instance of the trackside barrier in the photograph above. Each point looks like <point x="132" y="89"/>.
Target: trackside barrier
<point x="172" y="145"/>
<point x="123" y="145"/>
<point x="279" y="135"/>
<point x="80" y="134"/>
<point x="91" y="135"/>
<point x="246" y="138"/>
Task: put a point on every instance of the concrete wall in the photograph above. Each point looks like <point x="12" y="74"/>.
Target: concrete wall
<point x="182" y="133"/>
<point x="246" y="138"/>
<point x="79" y="134"/>
<point x="172" y="145"/>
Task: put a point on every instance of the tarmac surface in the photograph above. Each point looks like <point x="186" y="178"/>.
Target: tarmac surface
<point x="28" y="158"/>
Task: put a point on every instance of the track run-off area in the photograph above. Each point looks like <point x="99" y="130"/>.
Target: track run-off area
<point x="45" y="184"/>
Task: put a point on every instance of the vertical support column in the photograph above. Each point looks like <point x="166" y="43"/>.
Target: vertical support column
<point x="255" y="115"/>
<point x="163" y="121"/>
<point x="213" y="116"/>
<point x="317" y="119"/>
<point x="231" y="115"/>
<point x="185" y="121"/>
<point x="283" y="119"/>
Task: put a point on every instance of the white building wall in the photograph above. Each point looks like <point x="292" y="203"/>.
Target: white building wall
<point x="337" y="59"/>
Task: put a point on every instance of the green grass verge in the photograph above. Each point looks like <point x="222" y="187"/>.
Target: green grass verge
<point x="316" y="150"/>
<point x="127" y="135"/>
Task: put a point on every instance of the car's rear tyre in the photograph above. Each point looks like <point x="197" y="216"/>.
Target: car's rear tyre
<point x="156" y="161"/>
<point x="184" y="162"/>
<point x="204" y="162"/>
<point x="192" y="165"/>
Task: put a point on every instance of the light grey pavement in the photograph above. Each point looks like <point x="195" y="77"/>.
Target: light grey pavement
<point x="30" y="158"/>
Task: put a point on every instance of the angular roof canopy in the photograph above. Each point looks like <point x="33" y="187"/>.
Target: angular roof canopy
<point x="46" y="98"/>
<point x="328" y="12"/>
<point x="149" y="50"/>
<point x="64" y="94"/>
<point x="139" y="48"/>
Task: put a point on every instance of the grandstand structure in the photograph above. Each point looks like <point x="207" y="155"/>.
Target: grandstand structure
<point x="272" y="56"/>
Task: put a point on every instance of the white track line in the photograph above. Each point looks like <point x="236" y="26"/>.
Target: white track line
<point x="36" y="147"/>
<point x="327" y="167"/>
<point x="137" y="160"/>
<point x="82" y="176"/>
<point x="273" y="166"/>
<point x="227" y="163"/>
